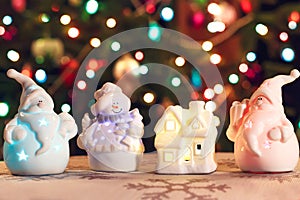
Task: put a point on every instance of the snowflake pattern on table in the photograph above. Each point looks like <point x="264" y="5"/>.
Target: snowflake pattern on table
<point x="276" y="177"/>
<point x="167" y="186"/>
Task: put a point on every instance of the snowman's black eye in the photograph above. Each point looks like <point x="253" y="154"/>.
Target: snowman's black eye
<point x="259" y="98"/>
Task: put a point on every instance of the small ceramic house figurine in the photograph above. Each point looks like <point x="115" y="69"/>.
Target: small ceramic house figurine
<point x="185" y="140"/>
<point x="264" y="138"/>
<point x="36" y="139"/>
<point x="112" y="138"/>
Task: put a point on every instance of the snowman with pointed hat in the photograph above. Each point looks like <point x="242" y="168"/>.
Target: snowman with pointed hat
<point x="36" y="139"/>
<point x="264" y="138"/>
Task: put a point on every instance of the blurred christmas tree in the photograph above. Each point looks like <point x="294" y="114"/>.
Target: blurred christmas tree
<point x="248" y="40"/>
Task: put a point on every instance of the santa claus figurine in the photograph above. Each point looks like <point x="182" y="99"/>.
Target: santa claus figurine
<point x="36" y="139"/>
<point x="112" y="138"/>
<point x="264" y="138"/>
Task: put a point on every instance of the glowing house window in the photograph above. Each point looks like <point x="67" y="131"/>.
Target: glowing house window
<point x="168" y="156"/>
<point x="187" y="156"/>
<point x="170" y="125"/>
<point x="198" y="148"/>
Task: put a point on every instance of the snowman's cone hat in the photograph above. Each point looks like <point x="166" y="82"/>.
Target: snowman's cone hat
<point x="30" y="89"/>
<point x="271" y="88"/>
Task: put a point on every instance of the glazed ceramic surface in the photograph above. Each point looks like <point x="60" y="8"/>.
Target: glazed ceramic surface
<point x="264" y="138"/>
<point x="112" y="138"/>
<point x="36" y="139"/>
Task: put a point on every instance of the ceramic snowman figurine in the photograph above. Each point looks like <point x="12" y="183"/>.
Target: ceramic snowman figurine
<point x="264" y="138"/>
<point x="36" y="139"/>
<point x="112" y="138"/>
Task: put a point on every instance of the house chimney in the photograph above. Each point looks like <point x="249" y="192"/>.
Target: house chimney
<point x="196" y="106"/>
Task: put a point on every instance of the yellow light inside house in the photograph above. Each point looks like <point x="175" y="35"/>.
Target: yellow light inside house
<point x="243" y="67"/>
<point x="13" y="55"/>
<point x="73" y="32"/>
<point x="65" y="19"/>
<point x="95" y="42"/>
<point x="215" y="59"/>
<point x="179" y="61"/>
<point x="170" y="125"/>
<point x="207" y="45"/>
<point x="111" y="22"/>
<point x="261" y="29"/>
<point x="218" y="88"/>
<point x="148" y="97"/>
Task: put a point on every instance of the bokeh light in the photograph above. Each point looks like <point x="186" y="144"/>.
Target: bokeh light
<point x="207" y="45"/>
<point x="40" y="76"/>
<point x="7" y="20"/>
<point x="210" y="106"/>
<point x="176" y="81"/>
<point x="73" y="32"/>
<point x="13" y="55"/>
<point x="261" y="29"/>
<point x="81" y="85"/>
<point x="233" y="78"/>
<point x="91" y="7"/>
<point x="283" y="36"/>
<point x="251" y="56"/>
<point x="288" y="54"/>
<point x="209" y="93"/>
<point x="2" y="30"/>
<point x="179" y="61"/>
<point x="218" y="88"/>
<point x="143" y="69"/>
<point x="111" y="23"/>
<point x="65" y="108"/>
<point x="139" y="55"/>
<point x="115" y="46"/>
<point x="243" y="67"/>
<point x="215" y="59"/>
<point x="292" y="25"/>
<point x="90" y="73"/>
<point x="214" y="9"/>
<point x="167" y="14"/>
<point x="95" y="42"/>
<point x="44" y="18"/>
<point x="149" y="97"/>
<point x="216" y="26"/>
<point x="65" y="19"/>
<point x="4" y="109"/>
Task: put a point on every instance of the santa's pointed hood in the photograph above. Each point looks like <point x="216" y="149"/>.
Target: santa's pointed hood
<point x="271" y="88"/>
<point x="30" y="90"/>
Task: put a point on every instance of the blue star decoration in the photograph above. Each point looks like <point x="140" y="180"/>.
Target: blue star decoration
<point x="43" y="122"/>
<point x="22" y="156"/>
